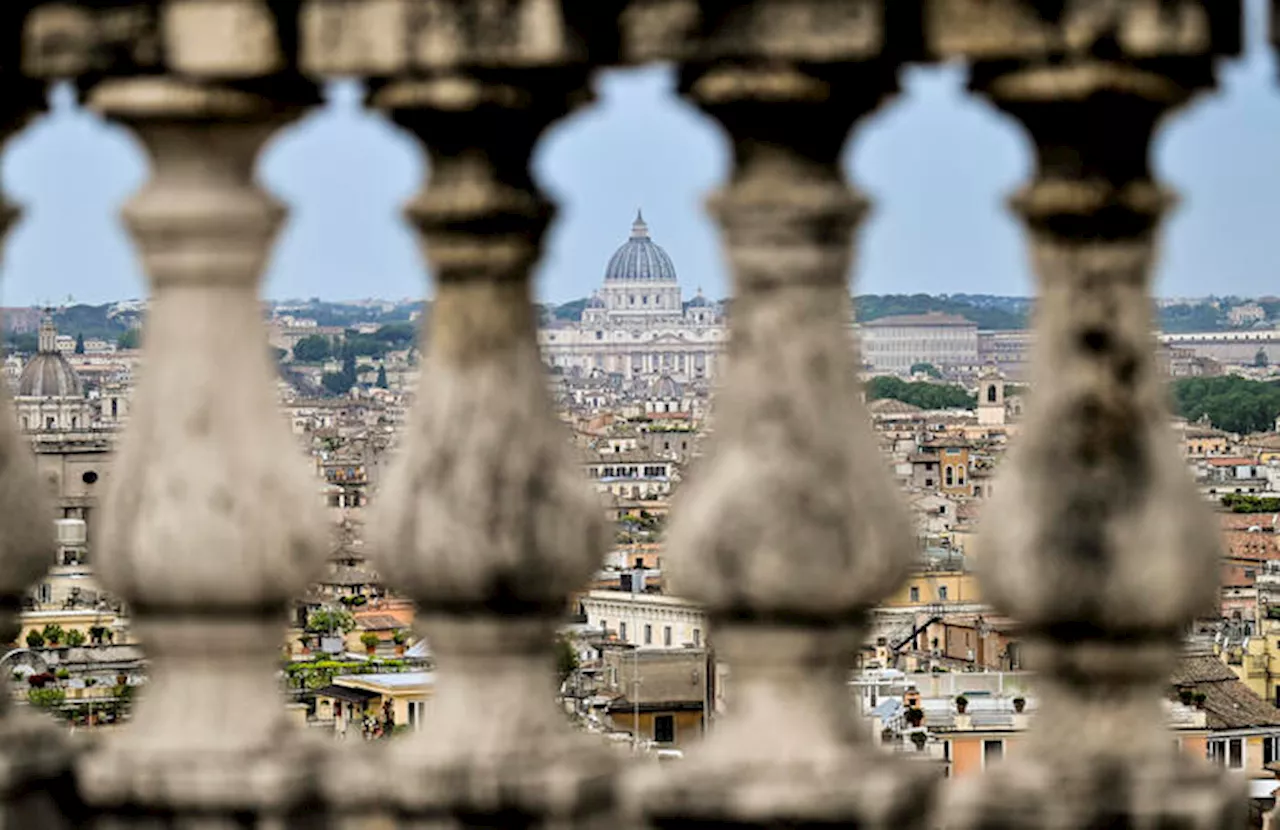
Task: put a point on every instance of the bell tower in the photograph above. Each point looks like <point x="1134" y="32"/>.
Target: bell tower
<point x="991" y="410"/>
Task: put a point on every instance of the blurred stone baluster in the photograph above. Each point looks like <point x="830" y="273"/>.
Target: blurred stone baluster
<point x="1096" y="539"/>
<point x="486" y="518"/>
<point x="791" y="529"/>
<point x="212" y="522"/>
<point x="34" y="757"/>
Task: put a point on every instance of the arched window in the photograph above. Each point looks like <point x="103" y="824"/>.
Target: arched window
<point x="991" y="393"/>
<point x="950" y="475"/>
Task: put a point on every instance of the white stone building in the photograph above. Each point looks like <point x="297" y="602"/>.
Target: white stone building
<point x="646" y="620"/>
<point x="895" y="344"/>
<point x="638" y="325"/>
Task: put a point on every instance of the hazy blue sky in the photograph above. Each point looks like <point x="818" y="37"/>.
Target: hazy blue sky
<point x="937" y="161"/>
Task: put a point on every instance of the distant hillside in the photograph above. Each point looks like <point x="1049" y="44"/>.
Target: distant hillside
<point x="570" y="311"/>
<point x="988" y="311"/>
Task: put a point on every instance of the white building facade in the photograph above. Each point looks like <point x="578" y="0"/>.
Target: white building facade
<point x="646" y="620"/>
<point x="638" y="325"/>
<point x="895" y="344"/>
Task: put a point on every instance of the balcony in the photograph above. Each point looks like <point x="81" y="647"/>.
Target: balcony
<point x="787" y="534"/>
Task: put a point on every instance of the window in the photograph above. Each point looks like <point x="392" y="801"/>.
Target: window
<point x="942" y="592"/>
<point x="664" y="729"/>
<point x="416" y="710"/>
<point x="915" y="593"/>
<point x="992" y="751"/>
<point x="928" y="482"/>
<point x="697" y="636"/>
<point x="1227" y="752"/>
<point x="648" y="634"/>
<point x="1271" y="749"/>
<point x="622" y="631"/>
<point x="666" y="635"/>
<point x="991" y="394"/>
<point x="950" y="476"/>
<point x="115" y="407"/>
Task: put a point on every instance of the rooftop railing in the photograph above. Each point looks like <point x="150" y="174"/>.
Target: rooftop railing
<point x="787" y="531"/>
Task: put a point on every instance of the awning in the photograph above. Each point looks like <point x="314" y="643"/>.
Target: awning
<point x="347" y="693"/>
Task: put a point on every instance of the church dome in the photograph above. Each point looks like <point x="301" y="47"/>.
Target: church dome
<point x="665" y="387"/>
<point x="640" y="259"/>
<point x="48" y="374"/>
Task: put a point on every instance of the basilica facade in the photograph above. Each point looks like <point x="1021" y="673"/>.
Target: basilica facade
<point x="637" y="325"/>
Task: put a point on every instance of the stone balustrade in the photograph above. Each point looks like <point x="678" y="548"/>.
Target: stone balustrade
<point x="787" y="533"/>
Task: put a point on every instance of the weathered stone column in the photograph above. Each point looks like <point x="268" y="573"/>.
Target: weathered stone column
<point x="790" y="530"/>
<point x="1096" y="539"/>
<point x="212" y="522"/>
<point x="486" y="518"/>
<point x="34" y="756"/>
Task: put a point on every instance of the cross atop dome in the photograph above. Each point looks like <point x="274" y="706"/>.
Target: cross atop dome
<point x="639" y="230"/>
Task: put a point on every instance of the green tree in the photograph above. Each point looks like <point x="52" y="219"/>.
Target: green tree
<point x="1260" y="360"/>
<point x="129" y="339"/>
<point x="79" y="342"/>
<point x="566" y="658"/>
<point x="336" y="383"/>
<point x="1232" y="403"/>
<point x="382" y="377"/>
<point x="922" y="394"/>
<point x="926" y="369"/>
<point x="314" y="348"/>
<point x="25" y="343"/>
<point x="397" y="335"/>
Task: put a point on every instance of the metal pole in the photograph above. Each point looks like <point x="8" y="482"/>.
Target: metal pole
<point x="635" y="699"/>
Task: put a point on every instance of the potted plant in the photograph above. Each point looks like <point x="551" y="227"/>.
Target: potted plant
<point x="1019" y="703"/>
<point x="53" y="634"/>
<point x="370" y="642"/>
<point x="1186" y="695"/>
<point x="40" y="680"/>
<point x="919" y="738"/>
<point x="400" y="638"/>
<point x="62" y="674"/>
<point x="75" y="638"/>
<point x="962" y="704"/>
<point x="97" y="633"/>
<point x="915" y="716"/>
<point x="1198" y="699"/>
<point x="35" y="639"/>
